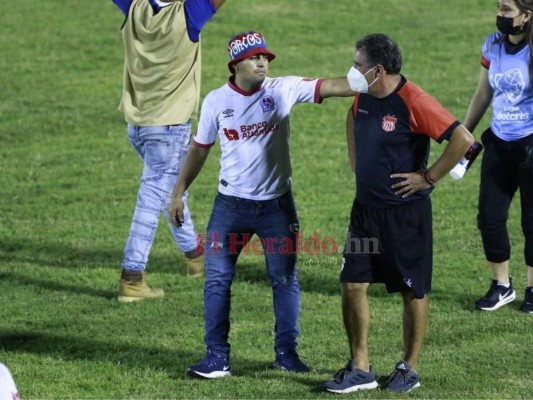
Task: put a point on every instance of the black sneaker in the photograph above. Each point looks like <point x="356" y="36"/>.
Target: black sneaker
<point x="350" y="379"/>
<point x="213" y="366"/>
<point x="527" y="305"/>
<point x="290" y="362"/>
<point x="496" y="297"/>
<point x="403" y="379"/>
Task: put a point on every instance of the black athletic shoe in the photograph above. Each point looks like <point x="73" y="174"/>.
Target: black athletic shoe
<point x="527" y="305"/>
<point x="403" y="379"/>
<point x="496" y="297"/>
<point x="290" y="361"/>
<point x="350" y="379"/>
<point x="213" y="366"/>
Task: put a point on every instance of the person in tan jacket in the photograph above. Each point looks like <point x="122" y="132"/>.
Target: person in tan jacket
<point x="161" y="93"/>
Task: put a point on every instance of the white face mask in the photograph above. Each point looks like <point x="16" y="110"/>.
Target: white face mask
<point x="358" y="81"/>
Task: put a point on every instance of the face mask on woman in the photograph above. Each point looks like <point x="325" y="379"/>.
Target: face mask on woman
<point x="505" y="25"/>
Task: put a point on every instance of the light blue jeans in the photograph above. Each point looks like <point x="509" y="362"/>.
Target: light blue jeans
<point x="163" y="150"/>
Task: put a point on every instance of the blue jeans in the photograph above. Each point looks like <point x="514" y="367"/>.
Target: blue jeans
<point x="233" y="221"/>
<point x="163" y="150"/>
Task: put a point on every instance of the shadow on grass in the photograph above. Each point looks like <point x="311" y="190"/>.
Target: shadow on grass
<point x="174" y="361"/>
<point x="316" y="275"/>
<point x="62" y="255"/>
<point x="464" y="301"/>
<point x="24" y="280"/>
<point x="75" y="348"/>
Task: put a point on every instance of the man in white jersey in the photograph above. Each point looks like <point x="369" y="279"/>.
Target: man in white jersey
<point x="160" y="96"/>
<point x="250" y="115"/>
<point x="8" y="389"/>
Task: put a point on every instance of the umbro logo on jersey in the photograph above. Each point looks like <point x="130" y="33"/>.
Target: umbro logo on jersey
<point x="362" y="111"/>
<point x="228" y="113"/>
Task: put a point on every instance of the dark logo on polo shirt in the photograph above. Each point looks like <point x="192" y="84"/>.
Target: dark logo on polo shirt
<point x="389" y="123"/>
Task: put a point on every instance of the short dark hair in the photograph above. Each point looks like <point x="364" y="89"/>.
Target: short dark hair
<point x="380" y="49"/>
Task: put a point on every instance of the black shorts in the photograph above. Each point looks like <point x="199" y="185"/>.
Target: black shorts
<point x="392" y="246"/>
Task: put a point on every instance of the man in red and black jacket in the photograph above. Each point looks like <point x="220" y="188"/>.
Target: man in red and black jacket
<point x="389" y="131"/>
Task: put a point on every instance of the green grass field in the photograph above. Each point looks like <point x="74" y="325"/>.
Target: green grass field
<point x="68" y="182"/>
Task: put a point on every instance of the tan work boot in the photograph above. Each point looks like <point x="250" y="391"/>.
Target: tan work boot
<point x="195" y="263"/>
<point x="133" y="287"/>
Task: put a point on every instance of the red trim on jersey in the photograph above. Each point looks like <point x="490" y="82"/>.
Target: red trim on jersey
<point x="426" y="115"/>
<point x="485" y="62"/>
<point x="204" y="146"/>
<point x="317" y="98"/>
<point x="234" y="87"/>
<point x="355" y="104"/>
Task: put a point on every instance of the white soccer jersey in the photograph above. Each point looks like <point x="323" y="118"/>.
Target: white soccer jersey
<point x="8" y="390"/>
<point x="254" y="132"/>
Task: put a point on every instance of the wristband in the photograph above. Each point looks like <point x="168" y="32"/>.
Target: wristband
<point x="429" y="179"/>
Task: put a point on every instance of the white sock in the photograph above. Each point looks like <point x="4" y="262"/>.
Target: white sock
<point x="505" y="285"/>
